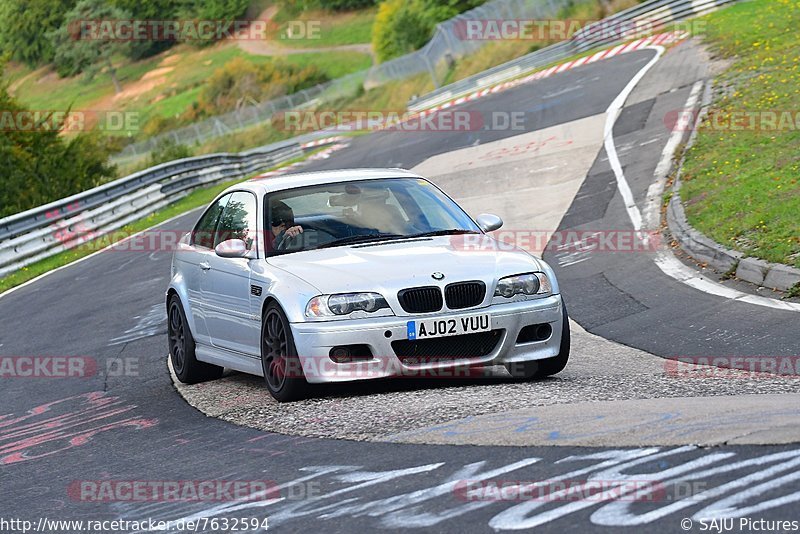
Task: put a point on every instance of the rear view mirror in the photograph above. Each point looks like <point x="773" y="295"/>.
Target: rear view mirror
<point x="489" y="222"/>
<point x="231" y="248"/>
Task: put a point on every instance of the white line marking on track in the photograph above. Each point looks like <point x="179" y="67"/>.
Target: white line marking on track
<point x="612" y="113"/>
<point x="652" y="208"/>
<point x="650" y="142"/>
<point x="665" y="260"/>
<point x="543" y="169"/>
<point x="673" y="268"/>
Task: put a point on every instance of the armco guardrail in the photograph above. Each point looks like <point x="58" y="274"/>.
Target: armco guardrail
<point x="42" y="232"/>
<point x="635" y="22"/>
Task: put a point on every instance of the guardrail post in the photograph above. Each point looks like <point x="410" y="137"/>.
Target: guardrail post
<point x="431" y="70"/>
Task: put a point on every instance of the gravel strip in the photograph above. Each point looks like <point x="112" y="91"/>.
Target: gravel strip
<point x="599" y="370"/>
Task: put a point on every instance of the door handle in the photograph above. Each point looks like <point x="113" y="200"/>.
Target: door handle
<point x="205" y="265"/>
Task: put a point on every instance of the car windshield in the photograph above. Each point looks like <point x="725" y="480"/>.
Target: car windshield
<point x="360" y="212"/>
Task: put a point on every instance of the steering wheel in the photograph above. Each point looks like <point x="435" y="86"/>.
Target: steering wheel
<point x="310" y="235"/>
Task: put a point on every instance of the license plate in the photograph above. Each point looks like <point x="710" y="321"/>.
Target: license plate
<point x="451" y="326"/>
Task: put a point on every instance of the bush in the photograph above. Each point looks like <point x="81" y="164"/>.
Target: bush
<point x="333" y="5"/>
<point x="240" y="83"/>
<point x="157" y="124"/>
<point x="404" y="26"/>
<point x="169" y="150"/>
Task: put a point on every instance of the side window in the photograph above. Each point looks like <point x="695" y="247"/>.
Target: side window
<point x="203" y="233"/>
<point x="238" y="219"/>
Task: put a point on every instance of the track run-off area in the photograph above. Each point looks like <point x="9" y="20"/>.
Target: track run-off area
<point x="591" y="155"/>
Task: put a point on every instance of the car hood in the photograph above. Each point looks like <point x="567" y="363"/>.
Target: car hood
<point x="387" y="267"/>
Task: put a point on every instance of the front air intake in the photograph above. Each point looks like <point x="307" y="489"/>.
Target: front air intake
<point x="464" y="294"/>
<point x="421" y="299"/>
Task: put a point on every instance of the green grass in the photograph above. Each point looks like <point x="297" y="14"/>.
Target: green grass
<point x="195" y="199"/>
<point x="741" y="187"/>
<point x="335" y="29"/>
<point x="178" y="89"/>
<point x="333" y="64"/>
<point x="53" y="93"/>
<point x="172" y="106"/>
<point x="392" y="96"/>
<point x="14" y="72"/>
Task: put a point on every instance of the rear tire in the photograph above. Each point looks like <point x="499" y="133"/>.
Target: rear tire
<point x="283" y="373"/>
<point x="182" y="348"/>
<point x="549" y="366"/>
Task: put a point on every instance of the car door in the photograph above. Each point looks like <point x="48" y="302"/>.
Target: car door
<point x="195" y="260"/>
<point x="231" y="324"/>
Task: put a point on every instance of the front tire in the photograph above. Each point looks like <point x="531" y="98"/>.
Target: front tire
<point x="283" y="373"/>
<point x="182" y="348"/>
<point x="549" y="366"/>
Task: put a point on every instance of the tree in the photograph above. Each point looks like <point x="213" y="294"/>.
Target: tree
<point x="38" y="165"/>
<point x="402" y="26"/>
<point x="23" y="28"/>
<point x="219" y="11"/>
<point x="148" y="10"/>
<point x="214" y="9"/>
<point x="77" y="51"/>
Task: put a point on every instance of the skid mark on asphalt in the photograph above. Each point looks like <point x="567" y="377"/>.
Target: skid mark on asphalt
<point x="152" y="323"/>
<point x="60" y="425"/>
<point x="619" y="487"/>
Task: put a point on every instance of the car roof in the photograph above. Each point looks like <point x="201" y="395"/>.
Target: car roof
<point x="291" y="181"/>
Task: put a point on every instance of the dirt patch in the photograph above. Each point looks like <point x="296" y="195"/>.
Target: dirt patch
<point x="273" y="48"/>
<point x="146" y="83"/>
<point x="49" y="78"/>
<point x="18" y="83"/>
<point x="170" y="60"/>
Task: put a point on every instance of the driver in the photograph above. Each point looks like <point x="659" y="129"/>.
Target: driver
<point x="282" y="223"/>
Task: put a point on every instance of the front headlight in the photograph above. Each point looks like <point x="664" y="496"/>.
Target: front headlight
<point x="523" y="284"/>
<point x="344" y="304"/>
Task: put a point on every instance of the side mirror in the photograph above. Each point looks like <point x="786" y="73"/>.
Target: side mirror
<point x="489" y="222"/>
<point x="231" y="248"/>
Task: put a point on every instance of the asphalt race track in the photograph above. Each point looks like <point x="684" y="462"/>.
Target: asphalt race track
<point x="127" y="422"/>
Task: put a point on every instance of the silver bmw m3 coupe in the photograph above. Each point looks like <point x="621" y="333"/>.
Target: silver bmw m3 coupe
<point x="356" y="274"/>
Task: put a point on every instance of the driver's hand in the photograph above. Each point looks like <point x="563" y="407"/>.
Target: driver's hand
<point x="294" y="231"/>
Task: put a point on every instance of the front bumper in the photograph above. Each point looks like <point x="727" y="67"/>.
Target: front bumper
<point x="314" y="341"/>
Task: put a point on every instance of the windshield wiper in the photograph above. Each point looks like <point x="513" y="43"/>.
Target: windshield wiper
<point x="450" y="231"/>
<point x="363" y="238"/>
